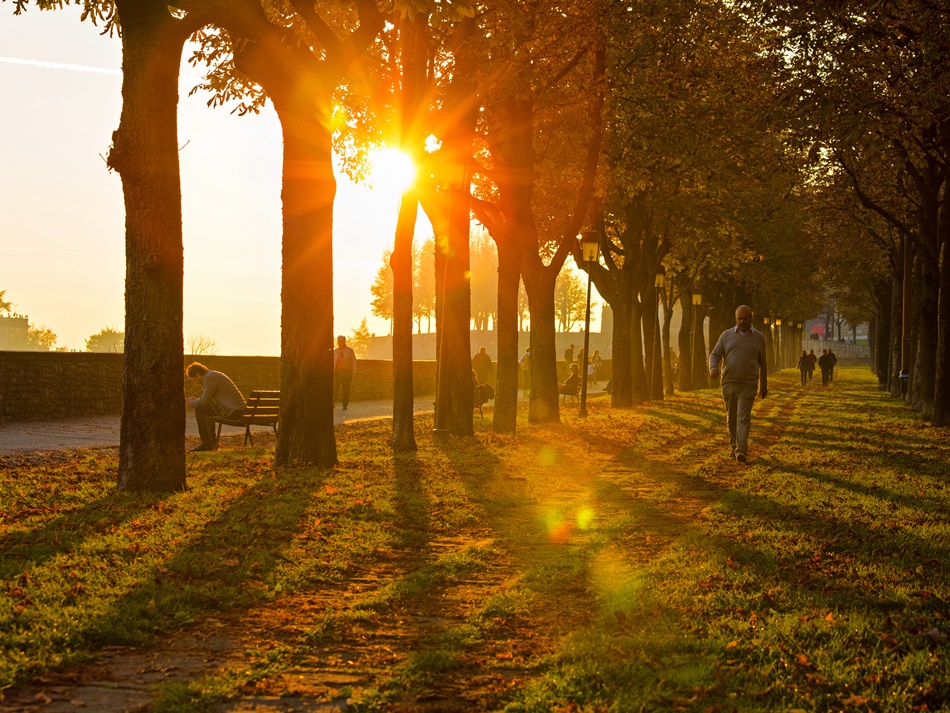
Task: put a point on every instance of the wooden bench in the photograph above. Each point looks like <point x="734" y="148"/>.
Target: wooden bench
<point x="263" y="409"/>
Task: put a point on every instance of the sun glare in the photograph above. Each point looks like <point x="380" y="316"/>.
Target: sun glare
<point x="391" y="170"/>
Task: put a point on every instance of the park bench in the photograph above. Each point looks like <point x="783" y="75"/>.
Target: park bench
<point x="263" y="409"/>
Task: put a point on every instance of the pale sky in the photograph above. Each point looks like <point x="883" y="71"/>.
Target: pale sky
<point x="61" y="214"/>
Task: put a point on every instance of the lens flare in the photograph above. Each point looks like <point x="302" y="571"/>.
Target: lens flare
<point x="391" y="170"/>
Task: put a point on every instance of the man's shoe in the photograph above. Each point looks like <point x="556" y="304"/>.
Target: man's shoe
<point x="202" y="447"/>
<point x="740" y="457"/>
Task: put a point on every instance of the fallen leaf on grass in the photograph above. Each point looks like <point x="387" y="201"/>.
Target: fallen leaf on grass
<point x="854" y="700"/>
<point x="731" y="645"/>
<point x="329" y="490"/>
<point x="231" y="562"/>
<point x="504" y="655"/>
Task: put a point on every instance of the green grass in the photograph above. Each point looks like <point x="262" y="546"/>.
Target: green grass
<point x="616" y="563"/>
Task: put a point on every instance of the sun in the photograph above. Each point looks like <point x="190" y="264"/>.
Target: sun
<point x="391" y="170"/>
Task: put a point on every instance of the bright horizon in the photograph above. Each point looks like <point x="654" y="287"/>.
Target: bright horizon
<point x="62" y="215"/>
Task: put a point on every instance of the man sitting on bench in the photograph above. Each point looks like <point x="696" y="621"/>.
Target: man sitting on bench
<point x="219" y="397"/>
<point x="573" y="383"/>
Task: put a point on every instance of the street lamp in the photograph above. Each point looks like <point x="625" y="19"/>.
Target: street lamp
<point x="780" y="338"/>
<point x="658" y="281"/>
<point x="590" y="253"/>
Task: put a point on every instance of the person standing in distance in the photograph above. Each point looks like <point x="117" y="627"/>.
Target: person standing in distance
<point x="741" y="352"/>
<point x="344" y="365"/>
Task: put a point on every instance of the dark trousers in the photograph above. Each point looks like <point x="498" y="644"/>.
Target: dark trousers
<point x="804" y="375"/>
<point x="825" y="376"/>
<point x="204" y="415"/>
<point x="344" y="379"/>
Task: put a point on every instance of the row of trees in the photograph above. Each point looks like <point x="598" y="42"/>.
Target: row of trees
<point x="707" y="142"/>
<point x="570" y="298"/>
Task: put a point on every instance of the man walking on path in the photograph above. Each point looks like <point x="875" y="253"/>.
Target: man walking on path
<point x="832" y="360"/>
<point x="219" y="397"/>
<point x="741" y="352"/>
<point x="824" y="363"/>
<point x="481" y="365"/>
<point x="344" y="364"/>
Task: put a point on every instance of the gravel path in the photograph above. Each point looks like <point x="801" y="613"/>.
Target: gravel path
<point x="103" y="431"/>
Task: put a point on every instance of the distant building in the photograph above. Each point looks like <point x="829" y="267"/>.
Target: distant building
<point x="14" y="333"/>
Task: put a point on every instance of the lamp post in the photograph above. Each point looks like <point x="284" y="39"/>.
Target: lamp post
<point x="590" y="252"/>
<point x="657" y="353"/>
<point x="700" y="370"/>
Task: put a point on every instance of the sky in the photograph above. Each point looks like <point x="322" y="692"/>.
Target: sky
<point x="61" y="214"/>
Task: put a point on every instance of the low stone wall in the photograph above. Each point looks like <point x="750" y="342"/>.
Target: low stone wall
<point x="48" y="385"/>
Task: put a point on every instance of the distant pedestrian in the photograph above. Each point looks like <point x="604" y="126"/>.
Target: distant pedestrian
<point x="581" y="359"/>
<point x="824" y="363"/>
<point x="526" y="370"/>
<point x="219" y="397"/>
<point x="595" y="364"/>
<point x="812" y="360"/>
<point x="803" y="364"/>
<point x="741" y="352"/>
<point x="344" y="366"/>
<point x="832" y="360"/>
<point x="482" y="365"/>
<point x="569" y="355"/>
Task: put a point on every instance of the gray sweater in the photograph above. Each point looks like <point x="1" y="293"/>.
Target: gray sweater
<point x="217" y="388"/>
<point x="743" y="357"/>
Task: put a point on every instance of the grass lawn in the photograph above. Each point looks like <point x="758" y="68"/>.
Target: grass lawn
<point x="617" y="563"/>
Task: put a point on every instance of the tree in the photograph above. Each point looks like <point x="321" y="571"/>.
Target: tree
<point x="108" y="339"/>
<point x="201" y="344"/>
<point x="484" y="259"/>
<point x="570" y="299"/>
<point x="297" y="58"/>
<point x="423" y="286"/>
<point x="40" y="338"/>
<point x="4" y="305"/>
<point x="359" y="341"/>
<point x="382" y="290"/>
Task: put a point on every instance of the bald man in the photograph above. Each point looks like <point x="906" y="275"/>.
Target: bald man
<point x="740" y="356"/>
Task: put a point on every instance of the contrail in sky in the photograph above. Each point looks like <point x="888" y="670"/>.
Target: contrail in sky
<point x="60" y="65"/>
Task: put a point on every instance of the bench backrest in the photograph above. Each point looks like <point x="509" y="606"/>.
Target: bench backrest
<point x="263" y="407"/>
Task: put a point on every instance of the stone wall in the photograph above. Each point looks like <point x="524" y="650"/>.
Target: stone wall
<point x="47" y="385"/>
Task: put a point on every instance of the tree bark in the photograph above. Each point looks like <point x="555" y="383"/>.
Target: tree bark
<point x="403" y="434"/>
<point x="306" y="366"/>
<point x="543" y="397"/>
<point x="145" y="154"/>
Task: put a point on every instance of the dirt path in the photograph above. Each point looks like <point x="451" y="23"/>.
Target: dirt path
<point x="341" y="643"/>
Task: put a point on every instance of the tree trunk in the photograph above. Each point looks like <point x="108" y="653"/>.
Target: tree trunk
<point x="667" y="345"/>
<point x="621" y="384"/>
<point x="306" y="366"/>
<point x="941" y="402"/>
<point x="638" y="372"/>
<point x="543" y="397"/>
<point x="506" y="375"/>
<point x="403" y="436"/>
<point x="145" y="154"/>
<point x="685" y="342"/>
<point x="897" y="339"/>
<point x="925" y="363"/>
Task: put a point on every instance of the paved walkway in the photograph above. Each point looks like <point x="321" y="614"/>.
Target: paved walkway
<point x="103" y="431"/>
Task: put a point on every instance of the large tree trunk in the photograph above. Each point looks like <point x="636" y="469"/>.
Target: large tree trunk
<point x="941" y="403"/>
<point x="403" y="438"/>
<point x="925" y="363"/>
<point x="621" y="384"/>
<point x="653" y="351"/>
<point x="145" y="154"/>
<point x="306" y="367"/>
<point x="543" y="397"/>
<point x="700" y="363"/>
